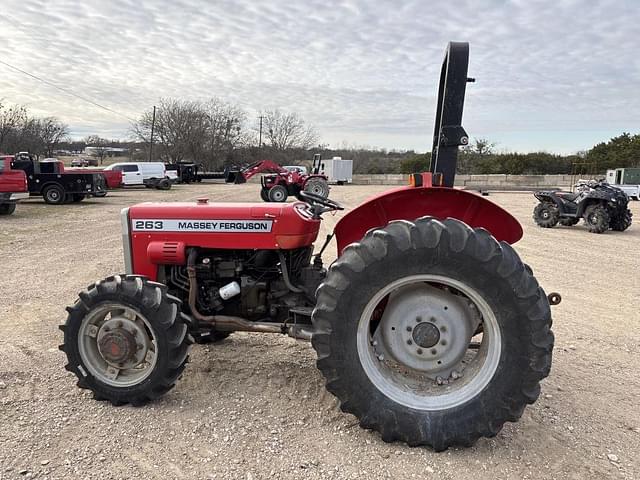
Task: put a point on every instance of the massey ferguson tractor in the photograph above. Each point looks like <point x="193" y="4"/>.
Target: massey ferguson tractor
<point x="428" y="327"/>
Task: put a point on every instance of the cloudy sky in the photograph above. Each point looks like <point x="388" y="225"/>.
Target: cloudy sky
<point x="553" y="75"/>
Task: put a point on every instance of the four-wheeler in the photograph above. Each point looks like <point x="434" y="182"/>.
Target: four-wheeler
<point x="428" y="327"/>
<point x="57" y="186"/>
<point x="13" y="186"/>
<point x="282" y="182"/>
<point x="602" y="206"/>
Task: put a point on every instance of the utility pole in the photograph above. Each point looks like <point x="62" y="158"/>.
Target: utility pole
<point x="260" y="136"/>
<point x="153" y="125"/>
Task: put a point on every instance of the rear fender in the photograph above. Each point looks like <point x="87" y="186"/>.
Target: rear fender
<point x="410" y="203"/>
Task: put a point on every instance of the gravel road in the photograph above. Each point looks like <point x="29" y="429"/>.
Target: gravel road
<point x="255" y="406"/>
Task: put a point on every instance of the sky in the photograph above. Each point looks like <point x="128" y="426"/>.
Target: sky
<point x="557" y="76"/>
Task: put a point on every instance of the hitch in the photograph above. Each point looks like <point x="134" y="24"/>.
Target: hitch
<point x="554" y="298"/>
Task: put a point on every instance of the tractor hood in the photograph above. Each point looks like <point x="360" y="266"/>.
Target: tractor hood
<point x="160" y="233"/>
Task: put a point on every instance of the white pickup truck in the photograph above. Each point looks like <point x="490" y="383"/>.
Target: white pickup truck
<point x="626" y="179"/>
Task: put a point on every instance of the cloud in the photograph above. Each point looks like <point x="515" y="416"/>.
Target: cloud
<point x="551" y="75"/>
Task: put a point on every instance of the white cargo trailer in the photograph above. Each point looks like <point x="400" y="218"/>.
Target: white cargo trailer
<point x="338" y="170"/>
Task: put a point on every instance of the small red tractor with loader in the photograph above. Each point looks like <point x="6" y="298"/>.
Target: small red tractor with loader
<point x="282" y="182"/>
<point x="428" y="327"/>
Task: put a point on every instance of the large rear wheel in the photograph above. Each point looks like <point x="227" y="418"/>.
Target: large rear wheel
<point x="317" y="186"/>
<point x="432" y="333"/>
<point x="126" y="340"/>
<point x="622" y="221"/>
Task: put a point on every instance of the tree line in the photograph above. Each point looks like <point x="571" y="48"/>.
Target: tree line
<point x="216" y="133"/>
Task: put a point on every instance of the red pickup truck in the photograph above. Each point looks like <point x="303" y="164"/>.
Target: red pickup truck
<point x="13" y="186"/>
<point x="112" y="177"/>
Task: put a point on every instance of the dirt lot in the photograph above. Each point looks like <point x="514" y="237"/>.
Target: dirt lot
<point x="255" y="407"/>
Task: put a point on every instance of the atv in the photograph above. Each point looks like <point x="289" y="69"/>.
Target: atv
<point x="428" y="327"/>
<point x="601" y="205"/>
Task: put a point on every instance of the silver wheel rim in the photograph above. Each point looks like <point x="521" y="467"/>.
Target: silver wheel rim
<point x="101" y="324"/>
<point x="278" y="195"/>
<point x="393" y="370"/>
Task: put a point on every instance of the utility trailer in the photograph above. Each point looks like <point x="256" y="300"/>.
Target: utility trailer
<point x="57" y="186"/>
<point x="338" y="170"/>
<point x="627" y="180"/>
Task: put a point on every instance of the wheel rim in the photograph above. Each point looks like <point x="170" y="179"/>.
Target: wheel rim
<point x="53" y="195"/>
<point x="278" y="195"/>
<point x="117" y="345"/>
<point x="428" y="367"/>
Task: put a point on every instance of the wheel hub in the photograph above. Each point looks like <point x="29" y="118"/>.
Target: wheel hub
<point x="122" y="342"/>
<point x="427" y="329"/>
<point x="117" y="346"/>
<point x="426" y="334"/>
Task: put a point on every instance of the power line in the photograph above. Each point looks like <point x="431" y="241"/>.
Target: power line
<point x="68" y="92"/>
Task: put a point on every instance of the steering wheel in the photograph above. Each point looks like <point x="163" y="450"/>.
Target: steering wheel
<point x="319" y="204"/>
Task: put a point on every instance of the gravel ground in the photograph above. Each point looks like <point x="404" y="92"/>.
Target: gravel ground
<point x="255" y="406"/>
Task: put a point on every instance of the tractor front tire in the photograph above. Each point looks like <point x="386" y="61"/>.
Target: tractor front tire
<point x="54" y="195"/>
<point x="126" y="340"/>
<point x="546" y="214"/>
<point x="278" y="193"/>
<point x="317" y="186"/>
<point x="380" y="339"/>
<point x="622" y="221"/>
<point x="264" y="194"/>
<point x="597" y="218"/>
<point x="7" y="208"/>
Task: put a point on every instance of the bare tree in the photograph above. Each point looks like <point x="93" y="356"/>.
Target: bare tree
<point x="285" y="131"/>
<point x="99" y="145"/>
<point x="52" y="132"/>
<point x="205" y="132"/>
<point x="12" y="119"/>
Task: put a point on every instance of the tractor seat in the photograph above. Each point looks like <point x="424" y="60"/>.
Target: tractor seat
<point x="568" y="196"/>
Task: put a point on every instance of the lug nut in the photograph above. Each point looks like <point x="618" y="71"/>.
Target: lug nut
<point x="409" y="342"/>
<point x="439" y="380"/>
<point x="409" y="329"/>
<point x="443" y="343"/>
<point x="418" y="319"/>
<point x="434" y="351"/>
<point x="419" y="351"/>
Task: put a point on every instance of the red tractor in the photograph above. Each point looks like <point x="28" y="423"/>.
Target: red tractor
<point x="281" y="182"/>
<point x="428" y="327"/>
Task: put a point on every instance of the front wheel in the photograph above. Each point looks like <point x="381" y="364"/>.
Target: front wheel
<point x="597" y="218"/>
<point x="432" y="333"/>
<point x="546" y="214"/>
<point x="126" y="340"/>
<point x="278" y="193"/>
<point x="7" y="208"/>
<point x="264" y="194"/>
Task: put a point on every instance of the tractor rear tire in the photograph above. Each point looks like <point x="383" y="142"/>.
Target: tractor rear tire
<point x="264" y="194"/>
<point x="621" y="222"/>
<point x="317" y="186"/>
<point x="546" y="215"/>
<point x="54" y="195"/>
<point x="126" y="340"/>
<point x="597" y="218"/>
<point x="278" y="193"/>
<point x="569" y="221"/>
<point x="468" y="265"/>
<point x="7" y="208"/>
